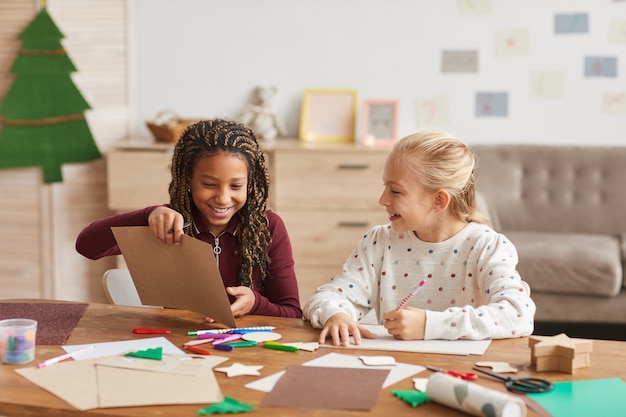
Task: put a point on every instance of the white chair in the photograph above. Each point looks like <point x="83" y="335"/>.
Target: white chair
<point x="119" y="288"/>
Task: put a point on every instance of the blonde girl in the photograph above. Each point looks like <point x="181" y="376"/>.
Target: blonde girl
<point x="435" y="233"/>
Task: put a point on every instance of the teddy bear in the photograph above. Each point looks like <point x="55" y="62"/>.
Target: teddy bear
<point x="260" y="117"/>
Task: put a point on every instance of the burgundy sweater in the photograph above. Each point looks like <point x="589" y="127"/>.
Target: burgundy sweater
<point x="276" y="295"/>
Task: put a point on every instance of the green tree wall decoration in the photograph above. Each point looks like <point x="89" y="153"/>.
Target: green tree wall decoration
<point x="43" y="112"/>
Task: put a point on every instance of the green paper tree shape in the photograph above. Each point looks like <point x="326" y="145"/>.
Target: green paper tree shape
<point x="413" y="397"/>
<point x="43" y="112"/>
<point x="150" y="353"/>
<point x="229" y="405"/>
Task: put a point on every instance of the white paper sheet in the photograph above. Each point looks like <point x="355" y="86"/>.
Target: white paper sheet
<point x="123" y="346"/>
<point x="384" y="341"/>
<point x="397" y="372"/>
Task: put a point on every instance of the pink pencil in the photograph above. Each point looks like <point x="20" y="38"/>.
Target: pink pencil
<point x="60" y="358"/>
<point x="411" y="294"/>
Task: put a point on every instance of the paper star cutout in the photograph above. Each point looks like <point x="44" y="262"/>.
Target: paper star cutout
<point x="237" y="369"/>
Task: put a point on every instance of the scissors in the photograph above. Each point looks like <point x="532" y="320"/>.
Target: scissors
<point x="470" y="376"/>
<point x="521" y="385"/>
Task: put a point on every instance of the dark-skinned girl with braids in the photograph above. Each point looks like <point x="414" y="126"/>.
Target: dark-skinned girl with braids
<point x="220" y="184"/>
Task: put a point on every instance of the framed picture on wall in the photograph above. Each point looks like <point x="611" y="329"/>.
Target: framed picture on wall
<point x="379" y="121"/>
<point x="328" y="115"/>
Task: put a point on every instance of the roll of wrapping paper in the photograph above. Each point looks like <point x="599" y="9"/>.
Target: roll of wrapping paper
<point x="473" y="398"/>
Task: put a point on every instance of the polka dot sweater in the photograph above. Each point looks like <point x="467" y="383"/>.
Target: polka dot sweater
<point x="472" y="290"/>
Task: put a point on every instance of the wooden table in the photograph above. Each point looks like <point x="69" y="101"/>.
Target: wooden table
<point x="105" y="323"/>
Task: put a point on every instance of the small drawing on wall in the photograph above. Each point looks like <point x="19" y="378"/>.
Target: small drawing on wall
<point x="328" y="115"/>
<point x="600" y="66"/>
<point x="492" y="104"/>
<point x="546" y="84"/>
<point x="472" y="7"/>
<point x="511" y="42"/>
<point x="459" y="61"/>
<point x="571" y="23"/>
<point x="617" y="31"/>
<point x="432" y="111"/>
<point x="379" y="121"/>
<point x="615" y="103"/>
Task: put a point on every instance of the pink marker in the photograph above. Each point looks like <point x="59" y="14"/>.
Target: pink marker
<point x="411" y="294"/>
<point x="229" y="338"/>
<point x="197" y="342"/>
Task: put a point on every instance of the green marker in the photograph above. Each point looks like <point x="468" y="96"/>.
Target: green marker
<point x="280" y="346"/>
<point x="240" y="343"/>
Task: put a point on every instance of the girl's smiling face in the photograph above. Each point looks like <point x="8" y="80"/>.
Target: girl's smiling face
<point x="409" y="205"/>
<point x="219" y="188"/>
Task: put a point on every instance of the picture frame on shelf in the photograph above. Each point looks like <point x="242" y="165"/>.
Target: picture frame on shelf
<point x="379" y="121"/>
<point x="328" y="115"/>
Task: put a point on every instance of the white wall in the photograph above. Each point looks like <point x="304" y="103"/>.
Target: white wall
<point x="204" y="58"/>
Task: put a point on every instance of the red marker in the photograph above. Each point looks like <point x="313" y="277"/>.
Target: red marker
<point x="141" y="330"/>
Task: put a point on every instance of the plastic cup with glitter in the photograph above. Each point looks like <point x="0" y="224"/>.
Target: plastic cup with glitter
<point x="17" y="340"/>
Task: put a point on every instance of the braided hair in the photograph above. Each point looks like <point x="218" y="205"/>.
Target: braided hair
<point x="212" y="137"/>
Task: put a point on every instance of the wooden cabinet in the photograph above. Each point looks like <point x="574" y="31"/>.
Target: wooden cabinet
<point x="327" y="194"/>
<point x="328" y="197"/>
<point x="138" y="176"/>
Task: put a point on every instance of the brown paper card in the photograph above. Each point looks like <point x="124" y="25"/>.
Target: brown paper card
<point x="327" y="387"/>
<point x="184" y="276"/>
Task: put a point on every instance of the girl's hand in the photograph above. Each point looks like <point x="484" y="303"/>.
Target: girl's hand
<point x="340" y="327"/>
<point x="244" y="300"/>
<point x="166" y="224"/>
<point x="407" y="323"/>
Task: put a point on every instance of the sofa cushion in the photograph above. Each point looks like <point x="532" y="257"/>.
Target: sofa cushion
<point x="564" y="189"/>
<point x="569" y="263"/>
<point x="484" y="208"/>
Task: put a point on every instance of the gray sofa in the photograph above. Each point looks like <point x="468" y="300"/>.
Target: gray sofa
<point x="564" y="207"/>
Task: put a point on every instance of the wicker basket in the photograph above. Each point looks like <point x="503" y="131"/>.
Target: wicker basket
<point x="167" y="126"/>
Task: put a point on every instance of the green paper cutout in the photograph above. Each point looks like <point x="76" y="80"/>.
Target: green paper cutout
<point x="412" y="397"/>
<point x="152" y="353"/>
<point x="229" y="405"/>
<point x="593" y="397"/>
<point x="43" y="110"/>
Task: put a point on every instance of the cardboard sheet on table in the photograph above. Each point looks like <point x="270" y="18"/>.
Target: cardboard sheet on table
<point x="329" y="388"/>
<point x="174" y="364"/>
<point x="94" y="383"/>
<point x="397" y="372"/>
<point x="384" y="341"/>
<point x="184" y="276"/>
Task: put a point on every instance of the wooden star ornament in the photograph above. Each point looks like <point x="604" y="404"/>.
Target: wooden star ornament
<point x="559" y="353"/>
